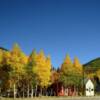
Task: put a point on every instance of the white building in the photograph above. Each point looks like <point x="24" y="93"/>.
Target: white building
<point x="89" y="88"/>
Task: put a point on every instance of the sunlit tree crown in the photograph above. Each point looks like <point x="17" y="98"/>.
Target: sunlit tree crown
<point x="67" y="59"/>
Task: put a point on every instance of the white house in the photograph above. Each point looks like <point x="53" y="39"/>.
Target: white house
<point x="89" y="88"/>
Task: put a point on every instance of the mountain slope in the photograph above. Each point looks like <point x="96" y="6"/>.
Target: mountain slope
<point x="3" y="49"/>
<point x="93" y="65"/>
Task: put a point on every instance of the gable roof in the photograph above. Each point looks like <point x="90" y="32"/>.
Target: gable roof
<point x="89" y="83"/>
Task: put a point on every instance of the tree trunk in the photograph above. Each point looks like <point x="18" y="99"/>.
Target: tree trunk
<point x="14" y="90"/>
<point x="77" y="90"/>
<point x="41" y="92"/>
<point x="23" y="91"/>
<point x="36" y="91"/>
<point x="46" y="92"/>
<point x="32" y="92"/>
<point x="28" y="91"/>
<point x="51" y="92"/>
<point x="0" y="92"/>
<point x="57" y="89"/>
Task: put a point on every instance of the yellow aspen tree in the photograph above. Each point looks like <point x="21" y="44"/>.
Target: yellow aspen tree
<point x="66" y="71"/>
<point x="6" y="57"/>
<point x="47" y="72"/>
<point x="77" y="65"/>
<point x="78" y="72"/>
<point x="5" y="69"/>
<point x="17" y="65"/>
<point x="1" y="72"/>
<point x="32" y="72"/>
<point x="98" y="73"/>
<point x="67" y="64"/>
<point x="18" y="59"/>
<point x="70" y="73"/>
<point x="1" y="57"/>
<point x="43" y="69"/>
<point x="54" y="76"/>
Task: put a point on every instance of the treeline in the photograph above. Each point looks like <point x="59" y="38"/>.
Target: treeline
<point x="22" y="75"/>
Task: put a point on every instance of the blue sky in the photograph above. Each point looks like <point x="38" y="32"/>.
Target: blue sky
<point x="59" y="27"/>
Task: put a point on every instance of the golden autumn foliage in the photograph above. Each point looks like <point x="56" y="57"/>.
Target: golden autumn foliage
<point x="43" y="69"/>
<point x="67" y="60"/>
<point x="67" y="64"/>
<point x="6" y="57"/>
<point x="54" y="76"/>
<point x="17" y="59"/>
<point x="90" y="75"/>
<point x="77" y="65"/>
<point x="98" y="73"/>
<point x="35" y="70"/>
<point x="1" y="57"/>
<point x="71" y="73"/>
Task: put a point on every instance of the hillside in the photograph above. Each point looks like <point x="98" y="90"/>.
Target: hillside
<point x="92" y="65"/>
<point x="3" y="49"/>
